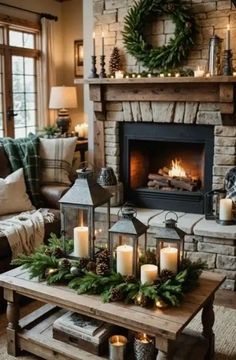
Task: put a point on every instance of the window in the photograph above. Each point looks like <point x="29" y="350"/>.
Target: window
<point x="19" y="59"/>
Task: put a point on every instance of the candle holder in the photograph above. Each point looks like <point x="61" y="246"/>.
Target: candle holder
<point x="169" y="258"/>
<point x="227" y="62"/>
<point x="81" y="200"/>
<point x="143" y="347"/>
<point x="93" y="73"/>
<point x="217" y="210"/>
<point x="117" y="347"/>
<point x="102" y="63"/>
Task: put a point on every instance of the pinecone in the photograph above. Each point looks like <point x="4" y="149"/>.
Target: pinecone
<point x="91" y="266"/>
<point x="116" y="295"/>
<point x="130" y="279"/>
<point x="140" y="300"/>
<point x="58" y="252"/>
<point x="64" y="263"/>
<point x="48" y="252"/>
<point x="103" y="257"/>
<point x="102" y="269"/>
<point x="83" y="262"/>
<point x="114" y="63"/>
<point x="166" y="275"/>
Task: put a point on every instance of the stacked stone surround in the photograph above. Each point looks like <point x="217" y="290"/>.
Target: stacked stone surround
<point x="204" y="239"/>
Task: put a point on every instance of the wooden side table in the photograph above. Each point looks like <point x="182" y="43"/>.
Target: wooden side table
<point x="82" y="147"/>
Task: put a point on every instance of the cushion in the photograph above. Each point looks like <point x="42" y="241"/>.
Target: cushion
<point x="56" y="156"/>
<point x="13" y="196"/>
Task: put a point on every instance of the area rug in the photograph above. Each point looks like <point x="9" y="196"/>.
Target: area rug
<point x="224" y="328"/>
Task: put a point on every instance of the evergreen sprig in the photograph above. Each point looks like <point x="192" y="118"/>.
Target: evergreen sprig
<point x="163" y="57"/>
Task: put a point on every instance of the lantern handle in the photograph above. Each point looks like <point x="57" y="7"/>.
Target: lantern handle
<point x="120" y="211"/>
<point x="171" y="212"/>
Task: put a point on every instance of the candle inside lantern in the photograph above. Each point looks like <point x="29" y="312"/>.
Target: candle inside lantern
<point x="124" y="260"/>
<point x="148" y="273"/>
<point x="117" y="347"/>
<point x="169" y="259"/>
<point x="94" y="46"/>
<point x="102" y="43"/>
<point x="227" y="46"/>
<point x="81" y="241"/>
<point x="225" y="209"/>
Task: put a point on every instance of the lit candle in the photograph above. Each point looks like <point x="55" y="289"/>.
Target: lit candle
<point x="119" y="74"/>
<point x="77" y="128"/>
<point x="149" y="75"/>
<point x="102" y="43"/>
<point x="169" y="74"/>
<point x="133" y="75"/>
<point x="124" y="260"/>
<point x="117" y="347"/>
<point x="177" y="75"/>
<point x="94" y="46"/>
<point x="234" y="73"/>
<point x="162" y="75"/>
<point x="81" y="241"/>
<point x="127" y="76"/>
<point x="199" y="72"/>
<point x="148" y="273"/>
<point x="227" y="46"/>
<point x="208" y="75"/>
<point x="143" y="347"/>
<point x="225" y="209"/>
<point x="168" y="259"/>
<point x="139" y="76"/>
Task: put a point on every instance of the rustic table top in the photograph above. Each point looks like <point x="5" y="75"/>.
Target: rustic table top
<point x="167" y="322"/>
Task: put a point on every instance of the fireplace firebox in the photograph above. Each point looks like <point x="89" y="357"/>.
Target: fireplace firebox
<point x="167" y="166"/>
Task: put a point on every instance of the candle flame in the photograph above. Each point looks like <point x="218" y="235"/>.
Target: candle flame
<point x="177" y="170"/>
<point x="117" y="338"/>
<point x="228" y="27"/>
<point x="94" y="35"/>
<point x="103" y="34"/>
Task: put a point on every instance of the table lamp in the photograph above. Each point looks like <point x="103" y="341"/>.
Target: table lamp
<point x="63" y="98"/>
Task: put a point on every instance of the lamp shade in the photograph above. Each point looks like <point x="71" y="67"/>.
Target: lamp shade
<point x="63" y="97"/>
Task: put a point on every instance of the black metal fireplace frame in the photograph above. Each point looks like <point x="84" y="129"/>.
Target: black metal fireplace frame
<point x="192" y="202"/>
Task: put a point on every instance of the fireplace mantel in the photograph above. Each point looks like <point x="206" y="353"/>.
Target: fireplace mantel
<point x="218" y="89"/>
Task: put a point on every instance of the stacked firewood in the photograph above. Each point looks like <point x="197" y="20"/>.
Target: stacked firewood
<point x="162" y="181"/>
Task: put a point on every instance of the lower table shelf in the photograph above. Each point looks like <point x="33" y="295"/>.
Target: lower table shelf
<point x="36" y="337"/>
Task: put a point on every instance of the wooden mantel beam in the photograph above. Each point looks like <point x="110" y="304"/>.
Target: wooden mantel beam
<point x="218" y="89"/>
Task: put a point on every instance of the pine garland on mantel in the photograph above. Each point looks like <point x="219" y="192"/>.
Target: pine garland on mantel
<point x="94" y="276"/>
<point x="163" y="57"/>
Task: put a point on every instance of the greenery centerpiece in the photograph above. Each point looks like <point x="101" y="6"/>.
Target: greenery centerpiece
<point x="164" y="57"/>
<point x="96" y="276"/>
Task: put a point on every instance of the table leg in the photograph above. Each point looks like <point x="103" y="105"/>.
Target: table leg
<point x="208" y="319"/>
<point x="13" y="321"/>
<point x="163" y="347"/>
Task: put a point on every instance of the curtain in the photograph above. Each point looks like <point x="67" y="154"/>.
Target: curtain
<point x="47" y="72"/>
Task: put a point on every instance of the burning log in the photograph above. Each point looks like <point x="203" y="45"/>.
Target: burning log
<point x="163" y="182"/>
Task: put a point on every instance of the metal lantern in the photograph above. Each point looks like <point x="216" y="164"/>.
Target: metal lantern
<point x="84" y="196"/>
<point x="169" y="256"/>
<point x="218" y="207"/>
<point x="127" y="228"/>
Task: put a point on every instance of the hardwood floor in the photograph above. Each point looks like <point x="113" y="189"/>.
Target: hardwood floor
<point x="226" y="298"/>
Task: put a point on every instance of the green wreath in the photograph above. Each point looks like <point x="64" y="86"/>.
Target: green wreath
<point x="167" y="56"/>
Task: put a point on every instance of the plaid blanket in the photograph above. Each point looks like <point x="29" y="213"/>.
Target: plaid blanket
<point x="23" y="153"/>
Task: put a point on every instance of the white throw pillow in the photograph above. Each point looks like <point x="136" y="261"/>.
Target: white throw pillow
<point x="13" y="196"/>
<point x="56" y="156"/>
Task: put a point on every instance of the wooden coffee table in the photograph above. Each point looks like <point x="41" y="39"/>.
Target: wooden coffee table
<point x="34" y="332"/>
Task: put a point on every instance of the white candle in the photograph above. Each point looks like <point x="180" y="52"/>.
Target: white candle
<point x="227" y="46"/>
<point x="102" y="43"/>
<point x="225" y="209"/>
<point x="119" y="74"/>
<point x="199" y="72"/>
<point x="168" y="259"/>
<point x="81" y="241"/>
<point x="94" y="47"/>
<point x="148" y="273"/>
<point x="162" y="75"/>
<point x="124" y="260"/>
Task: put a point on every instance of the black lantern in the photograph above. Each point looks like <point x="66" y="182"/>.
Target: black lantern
<point x="84" y="196"/>
<point x="218" y="207"/>
<point x="169" y="256"/>
<point x="127" y="229"/>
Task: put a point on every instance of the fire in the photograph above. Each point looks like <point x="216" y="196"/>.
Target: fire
<point x="177" y="170"/>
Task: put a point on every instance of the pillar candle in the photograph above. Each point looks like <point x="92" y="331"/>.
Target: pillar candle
<point x="124" y="260"/>
<point x="227" y="46"/>
<point x="169" y="259"/>
<point x="81" y="241"/>
<point x="148" y="273"/>
<point x="225" y="209"/>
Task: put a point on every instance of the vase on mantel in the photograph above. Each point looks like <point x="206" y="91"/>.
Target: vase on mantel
<point x="108" y="180"/>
